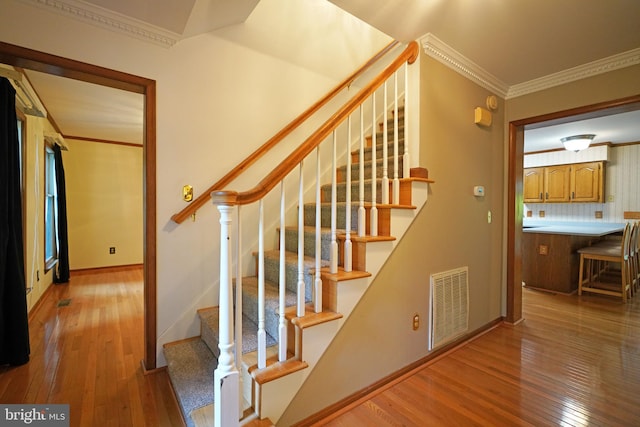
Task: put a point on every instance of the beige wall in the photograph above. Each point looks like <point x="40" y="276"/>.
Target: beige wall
<point x="104" y="204"/>
<point x="451" y="231"/>
<point x="603" y="87"/>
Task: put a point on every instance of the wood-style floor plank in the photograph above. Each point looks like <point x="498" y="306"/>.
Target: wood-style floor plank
<point x="88" y="354"/>
<point x="573" y="361"/>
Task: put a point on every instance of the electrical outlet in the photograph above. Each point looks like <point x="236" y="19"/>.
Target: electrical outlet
<point x="112" y="250"/>
<point x="543" y="250"/>
<point x="529" y="214"/>
<point x="541" y="214"/>
<point x="416" y="321"/>
<point x="598" y="214"/>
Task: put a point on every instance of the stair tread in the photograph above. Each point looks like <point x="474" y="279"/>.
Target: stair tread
<point x="190" y="364"/>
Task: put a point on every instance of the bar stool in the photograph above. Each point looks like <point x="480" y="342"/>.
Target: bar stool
<point x="595" y="280"/>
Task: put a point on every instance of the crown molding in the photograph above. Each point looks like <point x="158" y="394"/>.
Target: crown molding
<point x="604" y="65"/>
<point x="444" y="53"/>
<point x="450" y="57"/>
<point x="104" y="18"/>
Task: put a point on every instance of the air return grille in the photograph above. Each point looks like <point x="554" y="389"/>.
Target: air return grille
<point x="449" y="306"/>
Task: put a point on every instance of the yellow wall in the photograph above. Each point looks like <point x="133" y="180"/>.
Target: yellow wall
<point x="104" y="204"/>
<point x="451" y="231"/>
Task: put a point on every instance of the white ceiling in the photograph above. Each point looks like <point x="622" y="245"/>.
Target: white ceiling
<point x="514" y="41"/>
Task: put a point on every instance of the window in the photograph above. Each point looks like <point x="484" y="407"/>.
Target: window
<point x="50" y="203"/>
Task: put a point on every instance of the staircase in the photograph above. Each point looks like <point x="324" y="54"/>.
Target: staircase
<point x="266" y="392"/>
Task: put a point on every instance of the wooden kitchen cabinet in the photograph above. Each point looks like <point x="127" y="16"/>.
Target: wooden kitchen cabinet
<point x="557" y="180"/>
<point x="574" y="183"/>
<point x="587" y="182"/>
<point x="533" y="185"/>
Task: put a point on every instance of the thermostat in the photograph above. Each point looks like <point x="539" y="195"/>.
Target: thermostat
<point x="478" y="190"/>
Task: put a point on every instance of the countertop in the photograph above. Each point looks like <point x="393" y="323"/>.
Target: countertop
<point x="596" y="229"/>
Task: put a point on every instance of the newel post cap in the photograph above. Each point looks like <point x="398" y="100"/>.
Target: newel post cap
<point x="228" y="198"/>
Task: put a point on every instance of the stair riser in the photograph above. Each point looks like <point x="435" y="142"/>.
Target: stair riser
<point x="341" y="192"/>
<point x="291" y="242"/>
<point x="355" y="155"/>
<point x="272" y="268"/>
<point x="325" y="216"/>
<point x="355" y="170"/>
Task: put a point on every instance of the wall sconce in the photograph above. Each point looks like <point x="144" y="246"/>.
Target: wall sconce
<point x="577" y="142"/>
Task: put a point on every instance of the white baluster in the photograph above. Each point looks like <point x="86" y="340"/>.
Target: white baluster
<point x="373" y="217"/>
<point x="347" y="242"/>
<point x="301" y="287"/>
<point x="225" y="377"/>
<point x="317" y="288"/>
<point x="262" y="335"/>
<point x="406" y="167"/>
<point x="385" y="155"/>
<point x="396" y="179"/>
<point x="361" y="211"/>
<point x="334" y="243"/>
<point x="282" y="324"/>
<point x="238" y="308"/>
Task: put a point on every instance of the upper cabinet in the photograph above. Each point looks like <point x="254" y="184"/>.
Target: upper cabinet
<point x="580" y="182"/>
<point x="587" y="182"/>
<point x="557" y="180"/>
<point x="533" y="191"/>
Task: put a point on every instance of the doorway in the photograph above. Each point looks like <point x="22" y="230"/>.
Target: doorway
<point x="514" y="185"/>
<point x="63" y="67"/>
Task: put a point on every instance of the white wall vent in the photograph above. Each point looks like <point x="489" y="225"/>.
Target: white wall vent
<point x="449" y="317"/>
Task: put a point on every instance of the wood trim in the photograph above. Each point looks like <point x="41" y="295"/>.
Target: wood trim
<point x="409" y="55"/>
<point x="106" y="269"/>
<point x="51" y="64"/>
<point x="198" y="202"/>
<point x="631" y="215"/>
<point x="104" y="141"/>
<point x="514" y="224"/>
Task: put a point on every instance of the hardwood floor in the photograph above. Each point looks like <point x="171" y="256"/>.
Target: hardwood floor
<point x="573" y="361"/>
<point x="88" y="354"/>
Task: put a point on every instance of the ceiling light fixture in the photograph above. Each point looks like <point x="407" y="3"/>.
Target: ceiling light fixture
<point x="577" y="142"/>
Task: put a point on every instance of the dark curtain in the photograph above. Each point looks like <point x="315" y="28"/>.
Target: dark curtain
<point x="14" y="322"/>
<point x="61" y="275"/>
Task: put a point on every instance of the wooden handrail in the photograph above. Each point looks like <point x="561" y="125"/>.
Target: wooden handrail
<point x="198" y="202"/>
<point x="409" y="55"/>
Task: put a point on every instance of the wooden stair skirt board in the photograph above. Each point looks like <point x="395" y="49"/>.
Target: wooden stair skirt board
<point x="270" y="390"/>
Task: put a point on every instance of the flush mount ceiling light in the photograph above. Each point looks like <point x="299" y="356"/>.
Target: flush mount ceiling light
<point x="577" y="142"/>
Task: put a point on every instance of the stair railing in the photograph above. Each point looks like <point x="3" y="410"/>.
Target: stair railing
<point x="191" y="209"/>
<point x="226" y="378"/>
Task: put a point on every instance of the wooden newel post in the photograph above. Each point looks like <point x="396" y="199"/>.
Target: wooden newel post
<point x="226" y="378"/>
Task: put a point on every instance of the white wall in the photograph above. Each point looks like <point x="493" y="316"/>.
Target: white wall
<point x="219" y="96"/>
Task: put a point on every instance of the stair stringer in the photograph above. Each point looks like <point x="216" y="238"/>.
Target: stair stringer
<point x="274" y="397"/>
